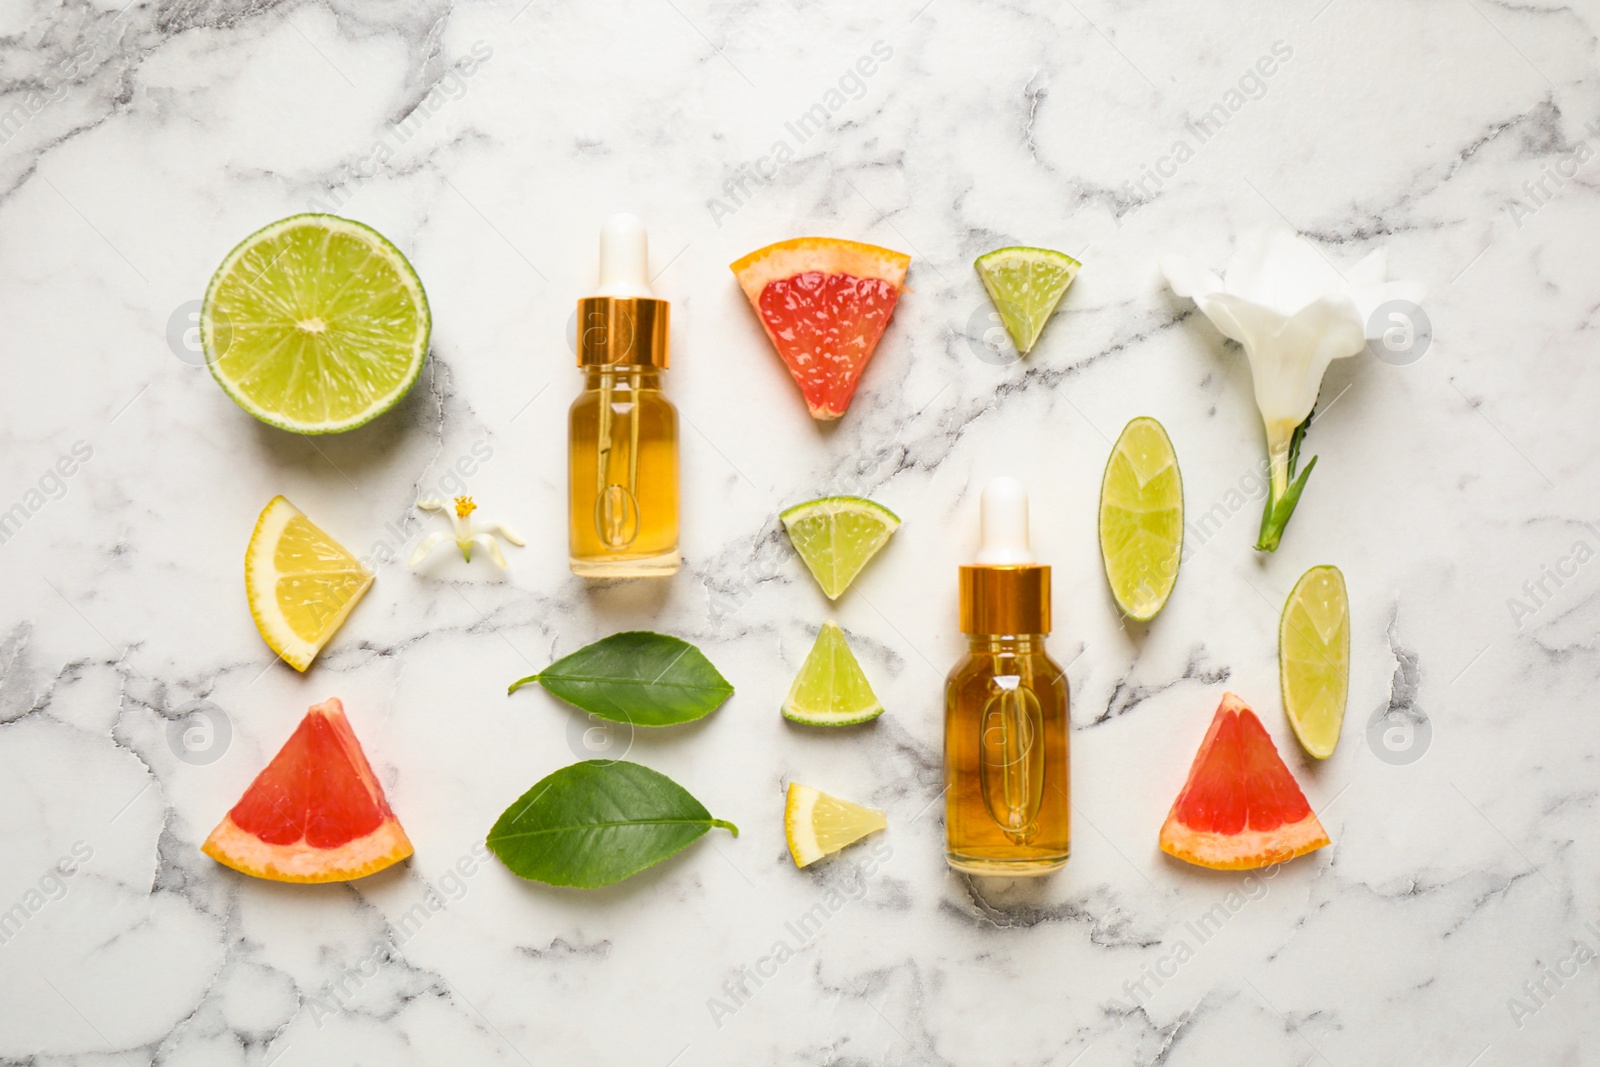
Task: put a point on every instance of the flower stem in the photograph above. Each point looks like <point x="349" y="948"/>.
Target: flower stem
<point x="1284" y="492"/>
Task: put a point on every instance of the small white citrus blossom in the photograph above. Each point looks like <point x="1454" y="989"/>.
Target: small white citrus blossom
<point x="466" y="533"/>
<point x="1294" y="313"/>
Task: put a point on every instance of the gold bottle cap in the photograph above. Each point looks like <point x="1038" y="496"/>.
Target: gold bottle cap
<point x="1005" y="591"/>
<point x="1005" y="599"/>
<point x="623" y="331"/>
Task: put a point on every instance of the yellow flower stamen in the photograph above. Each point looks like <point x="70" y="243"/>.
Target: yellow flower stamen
<point x="464" y="506"/>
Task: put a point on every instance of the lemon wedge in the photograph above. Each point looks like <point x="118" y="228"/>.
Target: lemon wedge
<point x="818" y="825"/>
<point x="301" y="583"/>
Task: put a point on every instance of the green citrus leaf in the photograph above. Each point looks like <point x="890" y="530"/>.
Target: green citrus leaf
<point x="598" y="822"/>
<point x="637" y="677"/>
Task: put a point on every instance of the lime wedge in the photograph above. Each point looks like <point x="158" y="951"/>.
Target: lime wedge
<point x="315" y="324"/>
<point x="816" y="824"/>
<point x="1141" y="519"/>
<point x="837" y="535"/>
<point x="1314" y="658"/>
<point x="1026" y="285"/>
<point x="831" y="689"/>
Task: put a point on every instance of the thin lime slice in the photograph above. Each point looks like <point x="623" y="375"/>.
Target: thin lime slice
<point x="1141" y="519"/>
<point x="831" y="689"/>
<point x="837" y="535"/>
<point x="1314" y="658"/>
<point x="816" y="824"/>
<point x="315" y="324"/>
<point x="1026" y="284"/>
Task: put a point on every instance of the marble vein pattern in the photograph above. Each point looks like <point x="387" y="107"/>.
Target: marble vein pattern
<point x="1456" y="917"/>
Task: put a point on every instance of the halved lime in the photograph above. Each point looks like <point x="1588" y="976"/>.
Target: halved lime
<point x="1026" y="285"/>
<point x="816" y="824"/>
<point x="315" y="324"/>
<point x="1141" y="519"/>
<point x="837" y="535"/>
<point x="1314" y="658"/>
<point x="831" y="689"/>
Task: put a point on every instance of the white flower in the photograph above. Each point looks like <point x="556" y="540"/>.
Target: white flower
<point x="1294" y="313"/>
<point x="466" y="533"/>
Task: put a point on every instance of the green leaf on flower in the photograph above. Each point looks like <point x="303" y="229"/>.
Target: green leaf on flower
<point x="1296" y="439"/>
<point x="1275" y="517"/>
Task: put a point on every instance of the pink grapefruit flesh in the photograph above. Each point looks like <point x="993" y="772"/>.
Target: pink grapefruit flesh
<point x="824" y="304"/>
<point x="1240" y="808"/>
<point x="316" y="813"/>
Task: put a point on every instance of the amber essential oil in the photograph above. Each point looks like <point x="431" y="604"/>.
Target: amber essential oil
<point x="1007" y="747"/>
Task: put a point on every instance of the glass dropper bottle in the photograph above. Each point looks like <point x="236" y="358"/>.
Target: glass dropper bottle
<point x="1006" y="732"/>
<point x="622" y="476"/>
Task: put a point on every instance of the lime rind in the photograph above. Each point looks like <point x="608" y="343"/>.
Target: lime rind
<point x="837" y="536"/>
<point x="839" y="503"/>
<point x="831" y="688"/>
<point x="354" y="286"/>
<point x="1314" y="658"/>
<point x="1141" y="519"/>
<point x="1025" y="285"/>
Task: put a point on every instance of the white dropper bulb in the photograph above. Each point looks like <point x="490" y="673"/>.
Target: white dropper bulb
<point x="1003" y="524"/>
<point x="624" y="258"/>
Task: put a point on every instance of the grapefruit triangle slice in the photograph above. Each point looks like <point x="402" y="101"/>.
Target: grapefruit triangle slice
<point x="824" y="303"/>
<point x="315" y="814"/>
<point x="1241" y="808"/>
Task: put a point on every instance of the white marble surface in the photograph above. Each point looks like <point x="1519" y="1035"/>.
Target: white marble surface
<point x="162" y="133"/>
